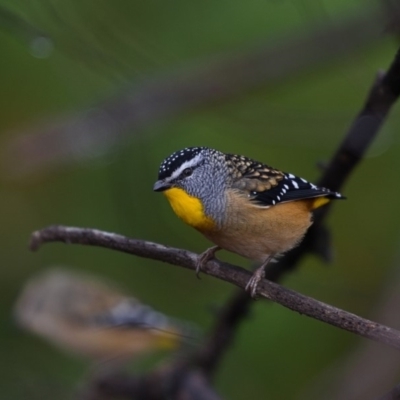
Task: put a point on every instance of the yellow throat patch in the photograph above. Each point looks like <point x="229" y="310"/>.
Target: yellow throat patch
<point x="189" y="209"/>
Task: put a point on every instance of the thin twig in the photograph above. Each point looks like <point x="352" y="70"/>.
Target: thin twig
<point x="227" y="272"/>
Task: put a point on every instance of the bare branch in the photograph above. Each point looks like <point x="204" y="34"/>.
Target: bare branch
<point x="226" y="272"/>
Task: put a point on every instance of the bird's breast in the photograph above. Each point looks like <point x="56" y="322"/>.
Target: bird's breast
<point x="190" y="209"/>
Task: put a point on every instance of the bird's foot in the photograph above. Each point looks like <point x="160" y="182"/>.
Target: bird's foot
<point x="257" y="277"/>
<point x="254" y="281"/>
<point x="204" y="257"/>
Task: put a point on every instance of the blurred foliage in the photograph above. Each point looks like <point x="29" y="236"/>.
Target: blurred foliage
<point x="94" y="49"/>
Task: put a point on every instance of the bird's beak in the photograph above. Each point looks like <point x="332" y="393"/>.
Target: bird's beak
<point x="160" y="186"/>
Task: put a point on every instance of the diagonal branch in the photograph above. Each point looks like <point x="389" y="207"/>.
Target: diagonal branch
<point x="226" y="272"/>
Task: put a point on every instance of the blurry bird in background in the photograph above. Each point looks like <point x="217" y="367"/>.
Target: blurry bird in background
<point x="87" y="317"/>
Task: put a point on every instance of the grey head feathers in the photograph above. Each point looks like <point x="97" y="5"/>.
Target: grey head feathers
<point x="200" y="171"/>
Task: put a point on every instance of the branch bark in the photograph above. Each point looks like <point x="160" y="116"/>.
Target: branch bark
<point x="226" y="272"/>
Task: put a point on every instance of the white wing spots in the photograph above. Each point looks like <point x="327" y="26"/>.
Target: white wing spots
<point x="293" y="188"/>
<point x="296" y="182"/>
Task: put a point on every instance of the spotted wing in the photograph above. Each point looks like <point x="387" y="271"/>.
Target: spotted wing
<point x="292" y="188"/>
<point x="267" y="186"/>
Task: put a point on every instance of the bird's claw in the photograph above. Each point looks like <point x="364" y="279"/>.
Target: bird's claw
<point x="204" y="257"/>
<point x="254" y="281"/>
<point x="256" y="278"/>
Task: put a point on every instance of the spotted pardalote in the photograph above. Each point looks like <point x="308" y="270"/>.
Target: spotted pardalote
<point x="242" y="205"/>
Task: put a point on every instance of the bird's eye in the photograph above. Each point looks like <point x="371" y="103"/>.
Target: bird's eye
<point x="187" y="172"/>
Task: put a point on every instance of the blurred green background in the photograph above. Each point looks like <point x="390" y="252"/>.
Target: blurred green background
<point x="60" y="59"/>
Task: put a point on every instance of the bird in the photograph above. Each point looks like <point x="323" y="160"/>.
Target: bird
<point x="90" y="318"/>
<point x="241" y="205"/>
